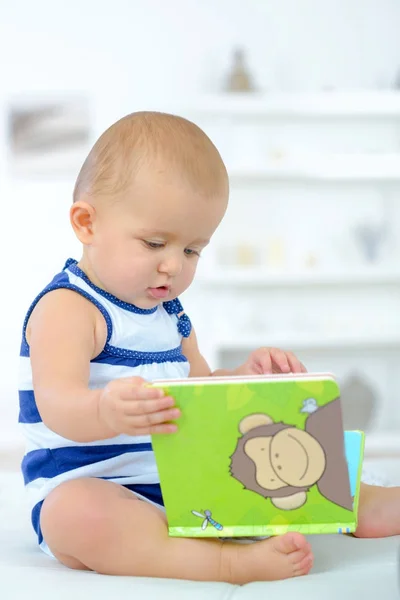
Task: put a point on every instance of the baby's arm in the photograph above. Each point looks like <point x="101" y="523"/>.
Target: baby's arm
<point x="65" y="332"/>
<point x="198" y="364"/>
<point x="262" y="360"/>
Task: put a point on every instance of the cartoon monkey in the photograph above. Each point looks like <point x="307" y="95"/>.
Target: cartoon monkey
<point x="281" y="461"/>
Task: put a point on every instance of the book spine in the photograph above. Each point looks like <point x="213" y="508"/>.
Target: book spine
<point x="263" y="531"/>
<point x="358" y="483"/>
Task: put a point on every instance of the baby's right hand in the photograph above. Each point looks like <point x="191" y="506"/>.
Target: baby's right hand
<point x="129" y="406"/>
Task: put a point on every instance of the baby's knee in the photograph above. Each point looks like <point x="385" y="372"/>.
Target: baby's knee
<point x="73" y="516"/>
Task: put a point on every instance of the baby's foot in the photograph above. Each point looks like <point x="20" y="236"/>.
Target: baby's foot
<point x="378" y="511"/>
<point x="275" y="558"/>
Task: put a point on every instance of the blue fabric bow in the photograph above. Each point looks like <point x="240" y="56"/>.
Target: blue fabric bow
<point x="173" y="307"/>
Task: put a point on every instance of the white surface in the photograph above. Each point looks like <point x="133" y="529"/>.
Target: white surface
<point x="378" y="104"/>
<point x="374" y="167"/>
<point x="296" y="342"/>
<point x="384" y="444"/>
<point x="345" y="567"/>
<point x="385" y="467"/>
<point x="270" y="278"/>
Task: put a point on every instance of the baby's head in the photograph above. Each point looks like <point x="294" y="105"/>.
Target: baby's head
<point x="147" y="200"/>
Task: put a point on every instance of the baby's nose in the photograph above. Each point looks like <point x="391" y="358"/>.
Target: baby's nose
<point x="172" y="265"/>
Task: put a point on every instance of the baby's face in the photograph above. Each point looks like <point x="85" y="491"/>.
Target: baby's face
<point x="147" y="245"/>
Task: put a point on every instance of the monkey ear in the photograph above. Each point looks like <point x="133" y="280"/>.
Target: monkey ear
<point x="252" y="421"/>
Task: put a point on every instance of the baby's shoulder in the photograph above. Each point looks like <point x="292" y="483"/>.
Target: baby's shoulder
<point x="66" y="311"/>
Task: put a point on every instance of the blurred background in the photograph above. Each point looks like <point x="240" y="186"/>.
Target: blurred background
<point x="302" y="98"/>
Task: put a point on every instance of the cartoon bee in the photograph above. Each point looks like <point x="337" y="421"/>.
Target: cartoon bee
<point x="207" y="519"/>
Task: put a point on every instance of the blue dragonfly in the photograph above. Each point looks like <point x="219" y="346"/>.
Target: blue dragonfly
<point x="207" y="519"/>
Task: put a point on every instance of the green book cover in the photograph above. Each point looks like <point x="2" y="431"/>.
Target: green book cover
<point x="259" y="456"/>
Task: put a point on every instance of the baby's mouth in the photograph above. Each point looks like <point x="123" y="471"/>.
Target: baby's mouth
<point x="159" y="292"/>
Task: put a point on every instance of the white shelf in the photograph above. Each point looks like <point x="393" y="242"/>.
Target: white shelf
<point x="312" y="167"/>
<point x="383" y="444"/>
<point x="322" y="341"/>
<point x="363" y="104"/>
<point x="312" y="175"/>
<point x="262" y="277"/>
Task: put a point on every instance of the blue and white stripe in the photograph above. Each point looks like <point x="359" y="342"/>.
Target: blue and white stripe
<point x="142" y="342"/>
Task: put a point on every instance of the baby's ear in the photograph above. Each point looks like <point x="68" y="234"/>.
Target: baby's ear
<point x="252" y="421"/>
<point x="82" y="216"/>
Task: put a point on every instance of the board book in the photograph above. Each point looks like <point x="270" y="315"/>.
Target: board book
<point x="259" y="456"/>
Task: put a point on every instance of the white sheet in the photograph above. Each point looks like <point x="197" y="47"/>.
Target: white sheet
<point x="345" y="567"/>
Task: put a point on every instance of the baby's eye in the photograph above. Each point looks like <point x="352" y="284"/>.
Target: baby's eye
<point x="154" y="245"/>
<point x="190" y="252"/>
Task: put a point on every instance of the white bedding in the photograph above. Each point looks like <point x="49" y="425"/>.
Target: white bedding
<point x="345" y="567"/>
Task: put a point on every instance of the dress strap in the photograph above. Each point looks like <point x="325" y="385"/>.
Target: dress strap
<point x="174" y="307"/>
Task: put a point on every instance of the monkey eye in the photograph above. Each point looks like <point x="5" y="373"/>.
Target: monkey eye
<point x="279" y="467"/>
<point x="276" y="455"/>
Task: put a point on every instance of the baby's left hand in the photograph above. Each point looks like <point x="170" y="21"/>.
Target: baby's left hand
<point x="270" y="360"/>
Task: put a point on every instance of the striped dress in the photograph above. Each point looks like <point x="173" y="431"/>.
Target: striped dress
<point x="141" y="342"/>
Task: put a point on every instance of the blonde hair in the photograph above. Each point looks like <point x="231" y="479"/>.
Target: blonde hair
<point x="165" y="141"/>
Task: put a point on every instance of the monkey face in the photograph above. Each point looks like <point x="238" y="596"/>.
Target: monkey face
<point x="290" y="457"/>
<point x="281" y="462"/>
<point x="267" y="474"/>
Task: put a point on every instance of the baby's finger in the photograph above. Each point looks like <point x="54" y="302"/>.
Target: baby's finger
<point x="141" y="393"/>
<point x="264" y="361"/>
<point x="156" y="418"/>
<point x="164" y="428"/>
<point x="294" y="363"/>
<point x="147" y="406"/>
<point x="279" y="359"/>
<point x="155" y="429"/>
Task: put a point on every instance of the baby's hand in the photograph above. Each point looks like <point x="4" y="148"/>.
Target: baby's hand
<point x="129" y="406"/>
<point x="270" y="360"/>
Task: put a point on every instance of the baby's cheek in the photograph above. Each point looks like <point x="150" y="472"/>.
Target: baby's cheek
<point x="186" y="277"/>
<point x="192" y="271"/>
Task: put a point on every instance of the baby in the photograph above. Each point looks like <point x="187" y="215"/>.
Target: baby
<point x="147" y="201"/>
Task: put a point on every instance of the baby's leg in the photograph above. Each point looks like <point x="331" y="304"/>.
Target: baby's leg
<point x="378" y="511"/>
<point x="98" y="525"/>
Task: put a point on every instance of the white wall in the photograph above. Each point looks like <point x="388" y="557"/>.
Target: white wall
<point x="129" y="55"/>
